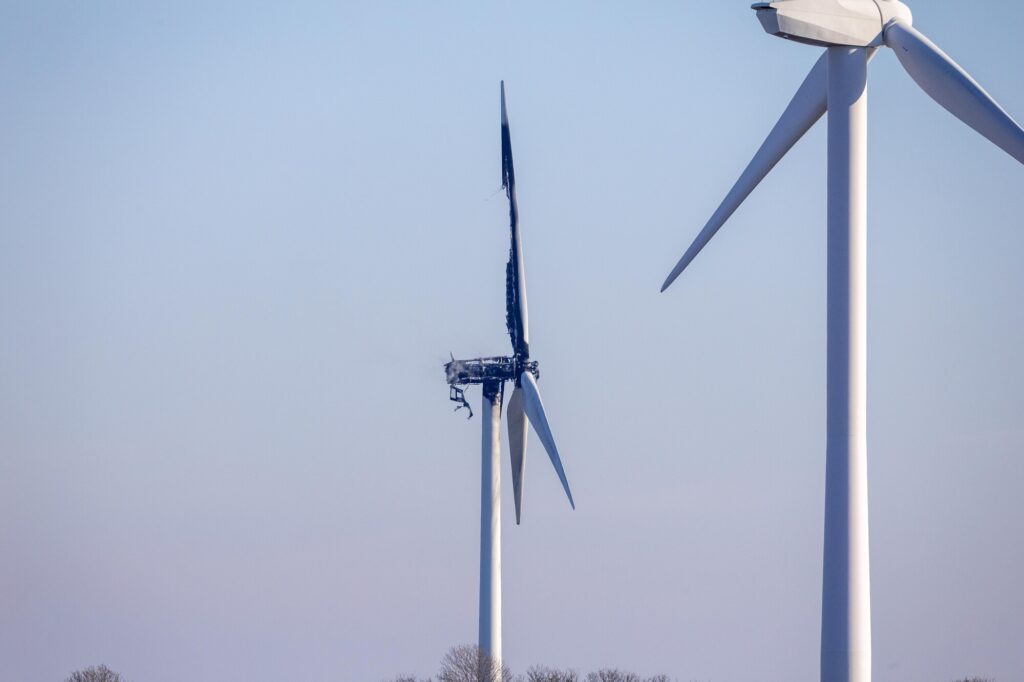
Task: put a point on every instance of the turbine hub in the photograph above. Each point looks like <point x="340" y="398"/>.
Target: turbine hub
<point x="857" y="23"/>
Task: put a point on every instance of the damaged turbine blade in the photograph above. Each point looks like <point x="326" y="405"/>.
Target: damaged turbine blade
<point x="516" y="317"/>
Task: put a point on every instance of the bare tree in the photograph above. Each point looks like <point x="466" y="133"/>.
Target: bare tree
<point x="615" y="675"/>
<point x="96" y="673"/>
<point x="612" y="675"/>
<point x="469" y="663"/>
<point x="539" y="673"/>
<point x="976" y="679"/>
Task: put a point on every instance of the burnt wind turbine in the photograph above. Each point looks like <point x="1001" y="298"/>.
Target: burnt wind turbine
<point x="524" y="404"/>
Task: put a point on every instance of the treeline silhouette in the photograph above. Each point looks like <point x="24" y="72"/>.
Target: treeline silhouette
<point x="468" y="663"/>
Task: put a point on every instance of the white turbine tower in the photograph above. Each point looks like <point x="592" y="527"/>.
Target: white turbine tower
<point x="524" y="404"/>
<point x="851" y="30"/>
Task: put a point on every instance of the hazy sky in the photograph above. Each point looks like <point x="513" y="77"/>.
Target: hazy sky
<point x="238" y="241"/>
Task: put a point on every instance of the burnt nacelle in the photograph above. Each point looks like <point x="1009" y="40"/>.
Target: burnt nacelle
<point x="857" y="23"/>
<point x="484" y="370"/>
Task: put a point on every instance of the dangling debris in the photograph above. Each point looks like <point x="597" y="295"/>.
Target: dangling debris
<point x="459" y="396"/>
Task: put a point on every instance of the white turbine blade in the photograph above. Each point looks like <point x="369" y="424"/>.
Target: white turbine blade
<point x="953" y="88"/>
<point x="807" y="106"/>
<point x="517" y="446"/>
<point x="535" y="411"/>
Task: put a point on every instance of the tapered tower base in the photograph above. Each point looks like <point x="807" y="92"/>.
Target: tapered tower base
<point x="490" y="522"/>
<point x="846" y="591"/>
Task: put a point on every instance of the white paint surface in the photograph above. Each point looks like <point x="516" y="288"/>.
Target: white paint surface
<point x="490" y="528"/>
<point x="846" y="591"/>
<point x="517" y="426"/>
<point x="953" y="88"/>
<point x="534" y="407"/>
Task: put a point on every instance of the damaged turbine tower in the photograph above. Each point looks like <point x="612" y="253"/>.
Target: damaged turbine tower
<point x="524" y="404"/>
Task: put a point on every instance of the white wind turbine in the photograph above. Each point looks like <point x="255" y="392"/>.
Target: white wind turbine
<point x="852" y="31"/>
<point x="524" y="404"/>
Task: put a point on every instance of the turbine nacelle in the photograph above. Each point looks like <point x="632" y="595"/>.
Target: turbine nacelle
<point x="486" y="370"/>
<point x="857" y="23"/>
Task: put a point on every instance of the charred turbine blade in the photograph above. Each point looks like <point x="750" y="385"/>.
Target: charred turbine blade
<point x="516" y="317"/>
<point x="508" y="173"/>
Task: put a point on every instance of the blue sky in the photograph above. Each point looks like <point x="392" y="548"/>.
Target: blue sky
<point x="238" y="241"/>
